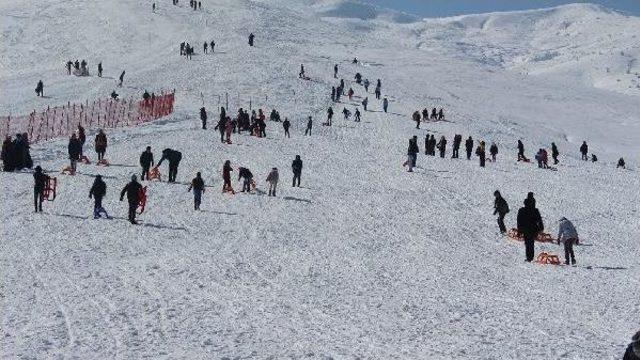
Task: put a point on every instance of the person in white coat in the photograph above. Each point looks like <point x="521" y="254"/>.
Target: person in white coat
<point x="568" y="235"/>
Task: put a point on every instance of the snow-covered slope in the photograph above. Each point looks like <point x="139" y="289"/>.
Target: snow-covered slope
<point x="365" y="260"/>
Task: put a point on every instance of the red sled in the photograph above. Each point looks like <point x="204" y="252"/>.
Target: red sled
<point x="143" y="200"/>
<point x="103" y="162"/>
<point x="50" y="189"/>
<point x="154" y="175"/>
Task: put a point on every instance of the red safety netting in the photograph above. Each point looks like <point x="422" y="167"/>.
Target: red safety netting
<point x="61" y="121"/>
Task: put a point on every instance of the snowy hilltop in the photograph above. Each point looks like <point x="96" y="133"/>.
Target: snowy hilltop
<point x="360" y="258"/>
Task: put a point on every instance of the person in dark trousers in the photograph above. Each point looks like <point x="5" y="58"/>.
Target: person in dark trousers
<point x="40" y="180"/>
<point x="457" y="140"/>
<point x="82" y="137"/>
<point x="100" y="69"/>
<point x="584" y="150"/>
<point x="529" y="225"/>
<point x="469" y="147"/>
<point x="272" y="179"/>
<point x="296" y="167"/>
<point x="309" y="126"/>
<point x="97" y="192"/>
<point x="226" y="177"/>
<point x="385" y="104"/>
<point x="568" y="235"/>
<point x="501" y="208"/>
<point x="633" y="350"/>
<point x="554" y="153"/>
<point x="40" y="89"/>
<point x="244" y="173"/>
<point x="213" y="45"/>
<point x="221" y="127"/>
<point x="482" y="153"/>
<point x="442" y="146"/>
<point x="203" y="118"/>
<point x="146" y="161"/>
<point x="621" y="164"/>
<point x="416" y="118"/>
<point x="121" y="78"/>
<point x="75" y="150"/>
<point x="197" y="185"/>
<point x="521" y="156"/>
<point x="329" y="116"/>
<point x="285" y="125"/>
<point x="251" y="37"/>
<point x="133" y="191"/>
<point x="173" y="157"/>
<point x="412" y="153"/>
<point x="335" y="71"/>
<point x="205" y="47"/>
<point x="101" y="144"/>
<point x="301" y="75"/>
<point x="493" y="150"/>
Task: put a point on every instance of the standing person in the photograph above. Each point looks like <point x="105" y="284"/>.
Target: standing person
<point x="365" y="102"/>
<point x="412" y="153"/>
<point x="203" y="117"/>
<point x="457" y="140"/>
<point x="493" y="150"/>
<point x="584" y="150"/>
<point x="501" y="208"/>
<point x="40" y="89"/>
<point x="205" y="46"/>
<point x="301" y="74"/>
<point x="97" y="192"/>
<point x="442" y="146"/>
<point x="335" y="71"/>
<point x="146" y="161"/>
<point x="132" y="190"/>
<point x="197" y="184"/>
<point x="482" y="154"/>
<point x="309" y="126"/>
<point x="82" y="137"/>
<point x="385" y="104"/>
<point x="251" y="37"/>
<point x="286" y="124"/>
<point x="226" y="178"/>
<point x="272" y="179"/>
<point x="173" y="157"/>
<point x="554" y="153"/>
<point x="357" y="115"/>
<point x="469" y="147"/>
<point x="101" y="144"/>
<point x="296" y="167"/>
<point x="568" y="235"/>
<point x="333" y="94"/>
<point x="75" y="150"/>
<point x="100" y="69"/>
<point x="69" y="64"/>
<point x="521" y="156"/>
<point x="244" y="173"/>
<point x="329" y="115"/>
<point x="366" y="85"/>
<point x="121" y="78"/>
<point x="529" y="225"/>
<point x="40" y="180"/>
<point x="416" y="118"/>
<point x="213" y="45"/>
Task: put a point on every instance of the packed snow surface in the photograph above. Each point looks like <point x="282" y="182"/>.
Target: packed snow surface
<point x="365" y="260"/>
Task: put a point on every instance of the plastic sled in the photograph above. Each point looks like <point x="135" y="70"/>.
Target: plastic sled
<point x="67" y="170"/>
<point x="143" y="200"/>
<point x="154" y="175"/>
<point x="85" y="160"/>
<point x="514" y="234"/>
<point x="228" y="189"/>
<point x="50" y="189"/>
<point x="548" y="259"/>
<point x="103" y="162"/>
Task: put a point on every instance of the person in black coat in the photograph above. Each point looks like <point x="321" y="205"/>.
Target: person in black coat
<point x="307" y="131"/>
<point x="244" y="173"/>
<point x="40" y="183"/>
<point x="286" y="124"/>
<point x="75" y="150"/>
<point x="296" y="167"/>
<point x="203" y="117"/>
<point x="529" y="225"/>
<point x="584" y="150"/>
<point x="633" y="350"/>
<point x="221" y="127"/>
<point x="197" y="185"/>
<point x="501" y="208"/>
<point x="132" y="190"/>
<point x="554" y="153"/>
<point x="146" y="161"/>
<point x="174" y="157"/>
<point x="521" y="156"/>
<point x="457" y="140"/>
<point x="469" y="147"/>
<point x="412" y="153"/>
<point x="98" y="191"/>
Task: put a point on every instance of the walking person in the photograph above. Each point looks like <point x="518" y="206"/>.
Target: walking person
<point x="101" y="144"/>
<point x="469" y="147"/>
<point x="146" y="161"/>
<point x="203" y="117"/>
<point x="529" y="225"/>
<point x="296" y="167"/>
<point x="482" y="154"/>
<point x="97" y="192"/>
<point x="40" y="180"/>
<point x="568" y="235"/>
<point x="197" y="185"/>
<point x="554" y="153"/>
<point x="412" y="153"/>
<point x="285" y="125"/>
<point x="442" y="146"/>
<point x="493" y="150"/>
<point x="307" y="131"/>
<point x="100" y="69"/>
<point x="385" y="104"/>
<point x="121" y="78"/>
<point x="272" y="179"/>
<point x="584" y="150"/>
<point x="133" y="191"/>
<point x="501" y="208"/>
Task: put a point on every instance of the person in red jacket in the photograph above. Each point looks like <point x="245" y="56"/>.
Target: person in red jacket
<point x="226" y="177"/>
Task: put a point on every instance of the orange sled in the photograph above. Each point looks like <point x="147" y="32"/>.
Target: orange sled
<point x="548" y="259"/>
<point x="154" y="175"/>
<point x="514" y="234"/>
<point x="143" y="200"/>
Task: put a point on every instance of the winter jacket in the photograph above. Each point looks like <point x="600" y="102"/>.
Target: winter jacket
<point x="132" y="190"/>
<point x="101" y="142"/>
<point x="146" y="159"/>
<point x="226" y="173"/>
<point x="40" y="181"/>
<point x="197" y="184"/>
<point x="170" y="155"/>
<point x="529" y="219"/>
<point x="244" y="173"/>
<point x="75" y="149"/>
<point x="567" y="231"/>
<point x="413" y="147"/>
<point x="273" y="177"/>
<point x="296" y="166"/>
<point x="98" y="190"/>
<point x="500" y="206"/>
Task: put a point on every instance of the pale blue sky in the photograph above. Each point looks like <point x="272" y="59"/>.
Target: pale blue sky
<point x="439" y="8"/>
